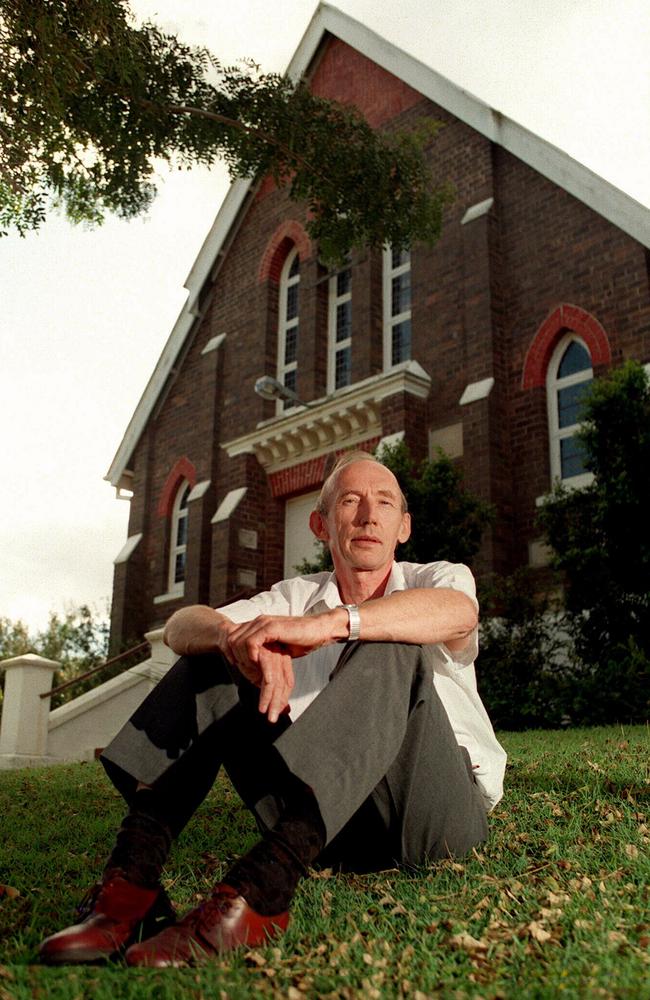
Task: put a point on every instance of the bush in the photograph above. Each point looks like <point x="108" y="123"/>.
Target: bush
<point x="525" y="667"/>
<point x="601" y="541"/>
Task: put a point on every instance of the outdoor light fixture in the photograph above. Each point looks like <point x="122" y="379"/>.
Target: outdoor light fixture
<point x="269" y="388"/>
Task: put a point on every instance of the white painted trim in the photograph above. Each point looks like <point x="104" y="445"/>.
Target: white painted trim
<point x="128" y="549"/>
<point x="345" y="418"/>
<point x="576" y="483"/>
<point x="199" y="490"/>
<point x="179" y="515"/>
<point x="214" y="343"/>
<point x="388" y="442"/>
<point x="229" y="504"/>
<point x="476" y="390"/>
<point x="285" y="325"/>
<point x="556" y="434"/>
<point x="476" y="211"/>
<point x="171" y="595"/>
<point x="554" y="164"/>
<point x="333" y="346"/>
<point x="388" y="273"/>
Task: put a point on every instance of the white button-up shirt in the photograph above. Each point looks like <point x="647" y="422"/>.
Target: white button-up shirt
<point x="454" y="675"/>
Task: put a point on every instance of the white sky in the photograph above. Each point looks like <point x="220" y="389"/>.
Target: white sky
<point x="84" y="315"/>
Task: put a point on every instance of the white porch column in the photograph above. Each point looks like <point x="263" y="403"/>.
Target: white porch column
<point x="24" y="725"/>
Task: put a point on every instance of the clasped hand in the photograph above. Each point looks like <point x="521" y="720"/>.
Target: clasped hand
<point x="264" y="648"/>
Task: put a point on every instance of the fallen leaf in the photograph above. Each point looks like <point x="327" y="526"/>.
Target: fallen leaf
<point x="632" y="851"/>
<point x="9" y="891"/>
<point x="465" y="942"/>
<point x="538" y="933"/>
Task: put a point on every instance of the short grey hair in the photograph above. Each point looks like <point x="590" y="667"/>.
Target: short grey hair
<point x="327" y="489"/>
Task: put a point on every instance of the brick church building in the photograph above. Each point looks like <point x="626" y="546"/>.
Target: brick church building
<point x="479" y="346"/>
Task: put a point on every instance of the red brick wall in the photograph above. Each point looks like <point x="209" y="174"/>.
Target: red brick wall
<point x="480" y="296"/>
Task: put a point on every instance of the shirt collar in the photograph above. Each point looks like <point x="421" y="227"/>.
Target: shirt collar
<point x="328" y="594"/>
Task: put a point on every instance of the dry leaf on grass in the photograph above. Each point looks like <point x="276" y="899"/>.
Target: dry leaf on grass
<point x="9" y="891"/>
<point x="465" y="942"/>
<point x="538" y="933"/>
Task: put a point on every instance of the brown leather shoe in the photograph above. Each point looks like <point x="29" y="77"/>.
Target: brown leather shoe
<point x="116" y="913"/>
<point x="222" y="923"/>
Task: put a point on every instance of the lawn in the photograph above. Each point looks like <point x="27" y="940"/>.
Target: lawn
<point x="556" y="903"/>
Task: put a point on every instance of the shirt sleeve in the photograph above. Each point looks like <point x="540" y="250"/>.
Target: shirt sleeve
<point x="269" y="602"/>
<point x="454" y="576"/>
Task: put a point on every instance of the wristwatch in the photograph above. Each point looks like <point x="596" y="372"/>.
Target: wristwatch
<point x="355" y="622"/>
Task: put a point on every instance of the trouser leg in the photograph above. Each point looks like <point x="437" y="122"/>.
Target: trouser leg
<point x="379" y="731"/>
<point x="195" y="720"/>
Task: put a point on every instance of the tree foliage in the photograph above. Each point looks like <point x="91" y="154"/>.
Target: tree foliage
<point x="78" y="640"/>
<point x="90" y="101"/>
<point x="601" y="541"/>
<point x="525" y="672"/>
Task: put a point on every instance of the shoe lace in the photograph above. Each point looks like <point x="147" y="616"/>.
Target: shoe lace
<point x="219" y="902"/>
<point x="86" y="904"/>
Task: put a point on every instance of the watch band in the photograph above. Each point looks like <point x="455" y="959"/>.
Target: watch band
<point x="355" y="621"/>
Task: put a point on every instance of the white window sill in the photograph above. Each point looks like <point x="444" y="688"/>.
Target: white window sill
<point x="172" y="595"/>
<point x="575" y="483"/>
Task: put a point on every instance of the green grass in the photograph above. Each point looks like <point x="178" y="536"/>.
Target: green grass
<point x="556" y="904"/>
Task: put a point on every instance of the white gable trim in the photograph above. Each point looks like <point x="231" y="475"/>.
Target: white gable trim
<point x="609" y="202"/>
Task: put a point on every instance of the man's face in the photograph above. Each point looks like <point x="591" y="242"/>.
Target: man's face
<point x="364" y="521"/>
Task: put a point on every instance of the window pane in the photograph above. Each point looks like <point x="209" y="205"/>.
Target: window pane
<point x="292" y="302"/>
<point x="342" y="368"/>
<point x="401" y="347"/>
<point x="343" y="321"/>
<point x="575" y="359"/>
<point x="290" y="345"/>
<point x="343" y="282"/>
<point x="181" y="531"/>
<point x="290" y="382"/>
<point x="179" y="568"/>
<point x="401" y="294"/>
<point x="295" y="267"/>
<point x="571" y="457"/>
<point x="399" y="257"/>
<point x="568" y="403"/>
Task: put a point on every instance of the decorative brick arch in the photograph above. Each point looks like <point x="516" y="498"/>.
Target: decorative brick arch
<point x="566" y="318"/>
<point x="287" y="235"/>
<point x="183" y="469"/>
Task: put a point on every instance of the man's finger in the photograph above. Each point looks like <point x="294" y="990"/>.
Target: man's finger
<point x="277" y="683"/>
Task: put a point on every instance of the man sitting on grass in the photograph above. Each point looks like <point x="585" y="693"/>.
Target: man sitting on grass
<point x="347" y="756"/>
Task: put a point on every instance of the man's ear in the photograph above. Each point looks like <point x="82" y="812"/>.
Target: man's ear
<point x="318" y="525"/>
<point x="405" y="529"/>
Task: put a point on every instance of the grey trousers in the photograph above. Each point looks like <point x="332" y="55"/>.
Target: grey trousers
<point x="376" y="748"/>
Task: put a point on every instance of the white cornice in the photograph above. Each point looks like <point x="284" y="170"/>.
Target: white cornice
<point x="346" y="418"/>
<point x="546" y="159"/>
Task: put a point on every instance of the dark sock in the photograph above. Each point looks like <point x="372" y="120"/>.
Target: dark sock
<point x="143" y="842"/>
<point x="267" y="876"/>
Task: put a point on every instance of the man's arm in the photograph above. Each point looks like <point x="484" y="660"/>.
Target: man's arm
<point x="426" y="615"/>
<point x="420" y="615"/>
<point x="198" y="629"/>
<point x="201" y="629"/>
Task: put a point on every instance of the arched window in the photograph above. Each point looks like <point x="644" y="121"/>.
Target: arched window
<point x="178" y="539"/>
<point x="288" y="325"/>
<point x="569" y="373"/>
<point x="339" y="331"/>
<point x="397" y="307"/>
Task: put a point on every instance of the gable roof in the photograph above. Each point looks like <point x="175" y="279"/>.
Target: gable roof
<point x="549" y="161"/>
